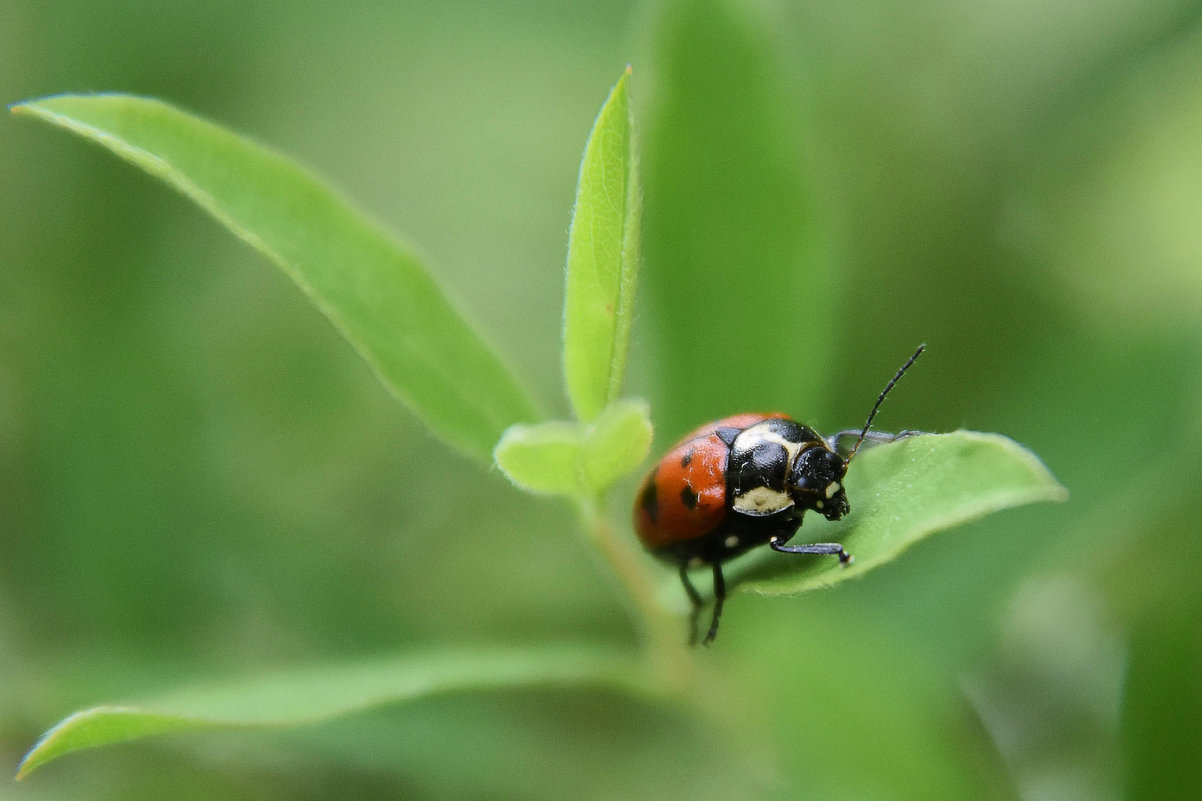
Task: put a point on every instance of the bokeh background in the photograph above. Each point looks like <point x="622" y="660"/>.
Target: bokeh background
<point x="199" y="480"/>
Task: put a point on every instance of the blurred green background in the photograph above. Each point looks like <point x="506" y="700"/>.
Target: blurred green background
<point x="200" y="480"/>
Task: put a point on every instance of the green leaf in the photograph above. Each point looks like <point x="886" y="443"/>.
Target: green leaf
<point x="373" y="288"/>
<point x="542" y="458"/>
<point x="616" y="444"/>
<point x="603" y="260"/>
<point x="319" y="694"/>
<point x="907" y="490"/>
<point x="568" y="458"/>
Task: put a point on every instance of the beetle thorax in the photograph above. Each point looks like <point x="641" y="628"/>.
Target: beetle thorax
<point x="761" y="464"/>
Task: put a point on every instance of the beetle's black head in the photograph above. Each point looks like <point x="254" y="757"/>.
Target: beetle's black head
<point x="817" y="482"/>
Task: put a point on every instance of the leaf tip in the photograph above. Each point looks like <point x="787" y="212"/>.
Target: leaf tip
<point x="21" y="107"/>
<point x="619" y="94"/>
<point x="46" y="748"/>
<point x="89" y="728"/>
<point x="34" y="106"/>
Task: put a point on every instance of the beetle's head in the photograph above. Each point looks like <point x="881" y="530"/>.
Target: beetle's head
<point x="817" y="482"/>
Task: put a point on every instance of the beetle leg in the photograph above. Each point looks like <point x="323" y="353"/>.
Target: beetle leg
<point x="695" y="598"/>
<point x="832" y="548"/>
<point x="719" y="598"/>
<point x="832" y="441"/>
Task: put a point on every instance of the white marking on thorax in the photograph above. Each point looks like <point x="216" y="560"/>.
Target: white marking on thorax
<point x="764" y="500"/>
<point x="762" y="432"/>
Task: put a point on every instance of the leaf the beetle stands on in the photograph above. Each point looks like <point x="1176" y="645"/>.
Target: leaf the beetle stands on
<point x="904" y="491"/>
<point x="373" y="288"/>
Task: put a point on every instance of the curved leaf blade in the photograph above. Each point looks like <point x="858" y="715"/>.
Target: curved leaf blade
<point x="319" y="694"/>
<point x="905" y="491"/>
<point x="603" y="254"/>
<point x="543" y="458"/>
<point x="372" y="288"/>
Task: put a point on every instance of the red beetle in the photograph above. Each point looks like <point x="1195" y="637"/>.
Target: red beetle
<point x="741" y="482"/>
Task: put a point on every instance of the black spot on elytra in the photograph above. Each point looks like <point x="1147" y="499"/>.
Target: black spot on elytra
<point x="689" y="497"/>
<point x="687" y="458"/>
<point x="649" y="501"/>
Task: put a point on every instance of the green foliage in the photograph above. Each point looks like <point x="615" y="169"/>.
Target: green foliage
<point x="603" y="259"/>
<point x="202" y="483"/>
<point x="582" y="459"/>
<point x="576" y="459"/>
<point x="320" y="693"/>
<point x="913" y="488"/>
<point x="431" y="358"/>
<point x="372" y="288"/>
<point x="542" y="458"/>
<point x="617" y="443"/>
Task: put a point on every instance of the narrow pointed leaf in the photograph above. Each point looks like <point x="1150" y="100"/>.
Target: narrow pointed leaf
<point x="542" y="458"/>
<point x="373" y="288"/>
<point x="903" y="492"/>
<point x="319" y="694"/>
<point x="602" y="260"/>
<point x="616" y="444"/>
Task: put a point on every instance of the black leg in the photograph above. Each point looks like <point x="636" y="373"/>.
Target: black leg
<point x="696" y="600"/>
<point x="832" y="548"/>
<point x="719" y="598"/>
<point x="832" y="441"/>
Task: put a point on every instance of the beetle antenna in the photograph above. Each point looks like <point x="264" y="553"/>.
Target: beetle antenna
<point x="881" y="399"/>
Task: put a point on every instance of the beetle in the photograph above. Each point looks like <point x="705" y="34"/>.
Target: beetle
<point x="742" y="482"/>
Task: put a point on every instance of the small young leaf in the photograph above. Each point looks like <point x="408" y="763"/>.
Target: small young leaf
<point x="373" y="289"/>
<point x="542" y="458"/>
<point x="602" y="260"/>
<point x="904" y="491"/>
<point x="616" y="444"/>
<point x="569" y="458"/>
<point x="319" y="694"/>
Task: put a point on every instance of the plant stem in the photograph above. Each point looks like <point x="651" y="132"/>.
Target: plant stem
<point x="662" y="632"/>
